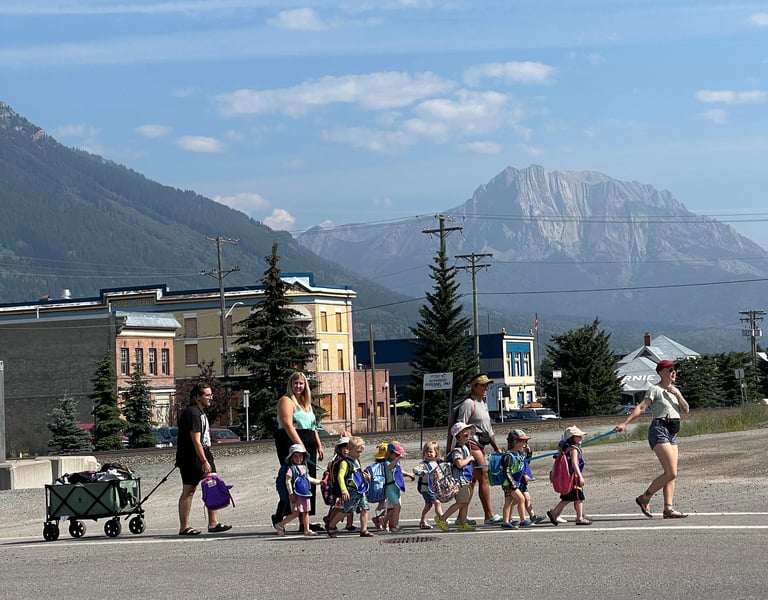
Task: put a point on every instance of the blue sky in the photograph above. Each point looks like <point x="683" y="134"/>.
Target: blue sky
<point x="301" y="113"/>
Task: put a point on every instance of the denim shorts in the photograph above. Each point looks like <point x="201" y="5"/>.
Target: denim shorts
<point x="658" y="434"/>
<point x="357" y="503"/>
<point x="429" y="497"/>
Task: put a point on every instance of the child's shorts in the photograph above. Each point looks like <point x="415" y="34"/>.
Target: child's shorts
<point x="509" y="490"/>
<point x="429" y="497"/>
<point x="463" y="495"/>
<point x="357" y="503"/>
<point x="392" y="495"/>
<point x="573" y="495"/>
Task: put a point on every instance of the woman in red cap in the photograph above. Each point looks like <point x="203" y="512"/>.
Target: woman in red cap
<point x="667" y="404"/>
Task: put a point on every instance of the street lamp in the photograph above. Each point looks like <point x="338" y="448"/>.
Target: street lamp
<point x="556" y="375"/>
<point x="246" y="406"/>
<point x="224" y="315"/>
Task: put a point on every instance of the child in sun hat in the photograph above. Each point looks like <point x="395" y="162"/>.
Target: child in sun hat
<point x="429" y="454"/>
<point x="297" y="482"/>
<point x="570" y="445"/>
<point x="461" y="460"/>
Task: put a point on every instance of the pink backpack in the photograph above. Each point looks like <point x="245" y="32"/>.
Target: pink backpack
<point x="559" y="476"/>
<point x="216" y="494"/>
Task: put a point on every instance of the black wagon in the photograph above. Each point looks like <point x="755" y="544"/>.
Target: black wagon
<point x="77" y="502"/>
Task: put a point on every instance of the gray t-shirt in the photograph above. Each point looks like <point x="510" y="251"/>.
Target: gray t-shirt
<point x="663" y="404"/>
<point x="475" y="412"/>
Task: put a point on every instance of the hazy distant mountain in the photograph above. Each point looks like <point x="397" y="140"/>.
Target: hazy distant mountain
<point x="553" y="234"/>
<point x="72" y="220"/>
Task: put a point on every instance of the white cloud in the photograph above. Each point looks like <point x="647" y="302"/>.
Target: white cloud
<point x="371" y="139"/>
<point x="482" y="147"/>
<point x="200" y="143"/>
<point x="280" y="219"/>
<point x="376" y="91"/>
<point x="153" y="131"/>
<point x="469" y="112"/>
<point x="716" y="115"/>
<point x="513" y="72"/>
<point x="731" y="97"/>
<point x="759" y="19"/>
<point x="251" y="204"/>
<point x="304" y="19"/>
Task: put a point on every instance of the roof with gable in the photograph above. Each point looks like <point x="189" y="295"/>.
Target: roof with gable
<point x="638" y="368"/>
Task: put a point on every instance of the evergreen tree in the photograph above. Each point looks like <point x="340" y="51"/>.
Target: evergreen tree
<point x="107" y="418"/>
<point x="589" y="384"/>
<point x="440" y="345"/>
<point x="700" y="382"/>
<point x="271" y="345"/>
<point x="137" y="408"/>
<point x="222" y="397"/>
<point x="727" y="364"/>
<point x="66" y="436"/>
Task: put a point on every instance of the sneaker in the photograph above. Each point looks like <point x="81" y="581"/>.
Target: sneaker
<point x="377" y="523"/>
<point x="538" y="519"/>
<point x="443" y="525"/>
<point x="526" y="523"/>
<point x="465" y="527"/>
<point x="493" y="520"/>
<point x="508" y="525"/>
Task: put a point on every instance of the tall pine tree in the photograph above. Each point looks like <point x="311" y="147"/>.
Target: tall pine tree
<point x="66" y="436"/>
<point x="589" y="384"/>
<point x="440" y="344"/>
<point x="107" y="418"/>
<point x="271" y="344"/>
<point x="137" y="408"/>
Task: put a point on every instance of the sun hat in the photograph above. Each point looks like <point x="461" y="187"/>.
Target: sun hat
<point x="480" y="379"/>
<point x="343" y="441"/>
<point x="397" y="448"/>
<point x="381" y="451"/>
<point x="296" y="449"/>
<point x="517" y="434"/>
<point x="458" y="427"/>
<point x="666" y="364"/>
<point x="573" y="430"/>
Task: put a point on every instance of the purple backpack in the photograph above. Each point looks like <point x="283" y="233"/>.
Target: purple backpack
<point x="216" y="494"/>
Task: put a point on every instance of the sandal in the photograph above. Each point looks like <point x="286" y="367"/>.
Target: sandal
<point x="645" y="508"/>
<point x="310" y="533"/>
<point x="189" y="531"/>
<point x="366" y="533"/>
<point x="553" y="518"/>
<point x="673" y="514"/>
<point x="219" y="528"/>
<point x="583" y="522"/>
<point x="280" y="530"/>
<point x="351" y="529"/>
<point x="425" y="526"/>
<point x="332" y="532"/>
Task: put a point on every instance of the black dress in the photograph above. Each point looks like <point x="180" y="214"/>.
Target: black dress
<point x="282" y="443"/>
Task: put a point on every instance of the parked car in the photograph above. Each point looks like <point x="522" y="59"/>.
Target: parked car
<point x="162" y="437"/>
<point x="223" y="436"/>
<point x="239" y="430"/>
<point x="170" y="433"/>
<point x="521" y="414"/>
<point x="545" y="413"/>
<point x="625" y="409"/>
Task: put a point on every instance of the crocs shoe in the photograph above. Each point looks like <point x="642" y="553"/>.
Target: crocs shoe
<point x="526" y="523"/>
<point x="465" y="527"/>
<point x="509" y="525"/>
<point x="442" y="524"/>
<point x="493" y="520"/>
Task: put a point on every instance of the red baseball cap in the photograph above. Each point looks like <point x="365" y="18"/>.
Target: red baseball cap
<point x="666" y="364"/>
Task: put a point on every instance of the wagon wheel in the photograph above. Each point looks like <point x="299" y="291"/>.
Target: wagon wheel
<point x="76" y="529"/>
<point x="136" y="525"/>
<point x="50" y="532"/>
<point x="112" y="527"/>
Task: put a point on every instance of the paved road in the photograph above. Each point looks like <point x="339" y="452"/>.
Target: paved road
<point x="718" y="552"/>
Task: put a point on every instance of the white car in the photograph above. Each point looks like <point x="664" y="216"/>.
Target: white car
<point x="545" y="413"/>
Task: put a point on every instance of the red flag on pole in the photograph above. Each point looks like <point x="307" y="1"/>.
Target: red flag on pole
<point x="536" y="324"/>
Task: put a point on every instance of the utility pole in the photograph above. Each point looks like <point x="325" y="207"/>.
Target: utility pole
<point x="752" y="318"/>
<point x="220" y="274"/>
<point x="443" y="231"/>
<point x="472" y="258"/>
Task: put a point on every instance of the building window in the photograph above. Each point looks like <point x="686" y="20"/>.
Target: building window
<point x="323" y="321"/>
<point x="518" y="365"/>
<point x="362" y="413"/>
<point x="338" y="322"/>
<point x="527" y="363"/>
<point x="340" y="358"/>
<point x="152" y="361"/>
<point x="139" y="359"/>
<point x="341" y="407"/>
<point x="165" y="361"/>
<point x="190" y="327"/>
<point x="125" y="367"/>
<point x="325" y="404"/>
<point x="326" y="360"/>
<point x="190" y="354"/>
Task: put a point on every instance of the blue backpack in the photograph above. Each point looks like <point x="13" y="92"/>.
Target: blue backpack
<point x="376" y="483"/>
<point x="497" y="466"/>
<point x="301" y="485"/>
<point x="216" y="494"/>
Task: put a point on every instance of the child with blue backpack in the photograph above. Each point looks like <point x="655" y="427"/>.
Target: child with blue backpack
<point x="461" y="462"/>
<point x="352" y="485"/>
<point x="298" y="485"/>
<point x="380" y="512"/>
<point x="394" y="484"/>
<point x="327" y="486"/>
<point x="430" y="455"/>
<point x="512" y="465"/>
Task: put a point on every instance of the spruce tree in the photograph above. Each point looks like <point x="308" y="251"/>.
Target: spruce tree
<point x="221" y="401"/>
<point x="440" y="345"/>
<point x="271" y="344"/>
<point x="589" y="383"/>
<point x="137" y="408"/>
<point x="66" y="436"/>
<point x="107" y="418"/>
